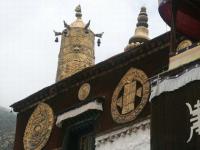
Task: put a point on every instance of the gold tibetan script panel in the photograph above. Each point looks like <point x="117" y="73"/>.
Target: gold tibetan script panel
<point x="130" y="96"/>
<point x="84" y="91"/>
<point x="39" y="128"/>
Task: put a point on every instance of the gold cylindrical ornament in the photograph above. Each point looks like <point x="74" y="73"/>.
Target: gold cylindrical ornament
<point x="76" y="52"/>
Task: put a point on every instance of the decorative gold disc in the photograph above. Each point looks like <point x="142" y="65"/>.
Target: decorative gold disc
<point x="130" y="96"/>
<point x="39" y="127"/>
<point x="84" y="91"/>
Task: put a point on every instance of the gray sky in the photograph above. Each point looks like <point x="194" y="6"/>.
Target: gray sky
<point x="28" y="53"/>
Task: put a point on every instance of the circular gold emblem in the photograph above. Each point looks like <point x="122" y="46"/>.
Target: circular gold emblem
<point x="130" y="96"/>
<point x="84" y="91"/>
<point x="38" y="128"/>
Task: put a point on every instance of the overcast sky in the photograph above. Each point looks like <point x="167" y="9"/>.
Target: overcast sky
<point x="28" y="53"/>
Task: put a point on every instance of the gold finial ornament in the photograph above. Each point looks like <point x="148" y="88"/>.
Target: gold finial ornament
<point x="183" y="44"/>
<point x="84" y="91"/>
<point x="78" y="11"/>
<point x="141" y="32"/>
<point x="38" y="128"/>
<point x="130" y="96"/>
<point x="77" y="47"/>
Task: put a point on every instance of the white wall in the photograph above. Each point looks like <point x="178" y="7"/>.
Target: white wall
<point x="128" y="140"/>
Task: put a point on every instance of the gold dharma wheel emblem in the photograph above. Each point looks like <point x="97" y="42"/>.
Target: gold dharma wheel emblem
<point x="38" y="128"/>
<point x="130" y="96"/>
<point x="84" y="91"/>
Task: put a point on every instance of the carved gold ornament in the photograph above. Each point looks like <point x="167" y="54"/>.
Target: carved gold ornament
<point x="84" y="91"/>
<point x="76" y="52"/>
<point x="184" y="44"/>
<point x="39" y="127"/>
<point x="130" y="96"/>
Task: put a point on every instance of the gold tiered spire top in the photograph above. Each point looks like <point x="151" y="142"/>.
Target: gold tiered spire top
<point x="78" y="22"/>
<point x="141" y="31"/>
<point x="78" y="11"/>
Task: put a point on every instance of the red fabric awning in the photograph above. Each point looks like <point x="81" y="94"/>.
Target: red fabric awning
<point x="188" y="16"/>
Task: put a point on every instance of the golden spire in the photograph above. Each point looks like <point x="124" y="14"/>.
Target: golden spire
<point x="141" y="31"/>
<point x="78" y="22"/>
<point x="78" y="11"/>
<point x="77" y="47"/>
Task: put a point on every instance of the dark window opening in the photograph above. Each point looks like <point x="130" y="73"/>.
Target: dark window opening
<point x="86" y="142"/>
<point x="79" y="137"/>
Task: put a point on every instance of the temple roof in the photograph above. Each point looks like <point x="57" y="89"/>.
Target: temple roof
<point x="157" y="44"/>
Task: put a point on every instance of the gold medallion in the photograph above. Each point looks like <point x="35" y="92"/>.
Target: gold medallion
<point x="84" y="91"/>
<point x="130" y="96"/>
<point x="38" y="128"/>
